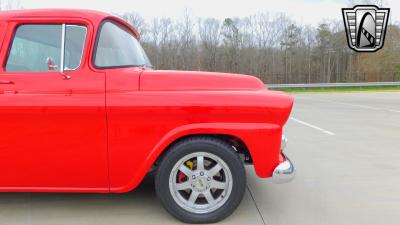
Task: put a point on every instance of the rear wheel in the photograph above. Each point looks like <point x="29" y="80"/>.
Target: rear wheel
<point x="201" y="180"/>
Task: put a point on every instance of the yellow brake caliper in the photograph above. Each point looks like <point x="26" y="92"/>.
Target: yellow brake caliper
<point x="181" y="175"/>
<point x="189" y="164"/>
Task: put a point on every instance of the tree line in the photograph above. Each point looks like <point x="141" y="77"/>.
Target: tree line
<point x="273" y="47"/>
<point x="270" y="46"/>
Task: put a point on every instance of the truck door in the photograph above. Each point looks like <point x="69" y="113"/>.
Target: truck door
<point x="52" y="110"/>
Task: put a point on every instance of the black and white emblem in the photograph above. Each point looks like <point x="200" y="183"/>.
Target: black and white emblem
<point x="365" y="27"/>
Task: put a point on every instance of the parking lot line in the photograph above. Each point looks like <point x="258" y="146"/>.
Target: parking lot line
<point x="365" y="106"/>
<point x="353" y="105"/>
<point x="313" y="126"/>
<point x="255" y="204"/>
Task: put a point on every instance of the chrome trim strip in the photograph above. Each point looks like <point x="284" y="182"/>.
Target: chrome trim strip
<point x="62" y="48"/>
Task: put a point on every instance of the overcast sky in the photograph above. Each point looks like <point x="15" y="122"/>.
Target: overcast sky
<point x="303" y="11"/>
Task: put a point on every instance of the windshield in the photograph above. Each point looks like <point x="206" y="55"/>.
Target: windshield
<point x="117" y="47"/>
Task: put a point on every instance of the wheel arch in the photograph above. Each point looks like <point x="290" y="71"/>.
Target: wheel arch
<point x="237" y="144"/>
<point x="248" y="138"/>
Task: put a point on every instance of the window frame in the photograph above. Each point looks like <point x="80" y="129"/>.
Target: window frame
<point x="83" y="47"/>
<point x="62" y="52"/>
<point x="98" y="32"/>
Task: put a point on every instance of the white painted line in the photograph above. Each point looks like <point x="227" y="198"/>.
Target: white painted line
<point x="353" y="105"/>
<point x="391" y="110"/>
<point x="366" y="106"/>
<point x="313" y="126"/>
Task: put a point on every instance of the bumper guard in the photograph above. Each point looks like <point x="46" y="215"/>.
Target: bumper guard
<point x="285" y="171"/>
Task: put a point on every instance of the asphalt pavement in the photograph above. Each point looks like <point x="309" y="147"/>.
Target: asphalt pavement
<point x="346" y="149"/>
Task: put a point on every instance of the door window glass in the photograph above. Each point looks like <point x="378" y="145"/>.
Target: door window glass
<point x="35" y="48"/>
<point x="38" y="48"/>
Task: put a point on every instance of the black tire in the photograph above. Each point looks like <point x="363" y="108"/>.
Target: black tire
<point x="201" y="144"/>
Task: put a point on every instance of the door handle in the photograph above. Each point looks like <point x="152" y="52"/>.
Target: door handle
<point x="6" y="82"/>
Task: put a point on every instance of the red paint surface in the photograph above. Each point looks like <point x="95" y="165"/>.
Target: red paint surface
<point x="102" y="130"/>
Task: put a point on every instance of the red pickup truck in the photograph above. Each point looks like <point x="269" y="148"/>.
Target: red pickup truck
<point x="82" y="110"/>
